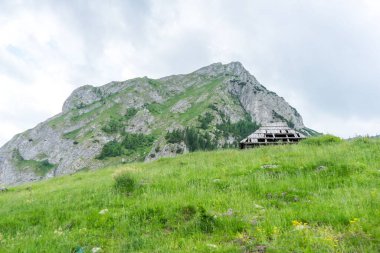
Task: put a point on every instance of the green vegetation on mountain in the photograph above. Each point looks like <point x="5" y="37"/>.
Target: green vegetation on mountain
<point x="117" y="123"/>
<point x="139" y="144"/>
<point x="211" y="108"/>
<point x="322" y="195"/>
<point x="40" y="167"/>
<point x="238" y="130"/>
<point x="193" y="138"/>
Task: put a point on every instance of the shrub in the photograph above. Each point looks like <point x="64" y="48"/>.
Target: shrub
<point x="124" y="182"/>
<point x="321" y="140"/>
<point x="361" y="140"/>
<point x="238" y="130"/>
<point x="130" y="144"/>
<point x="193" y="138"/>
<point x="205" y="120"/>
<point x="111" y="149"/>
<point x="130" y="113"/>
<point x="114" y="125"/>
<point x="188" y="212"/>
<point x="134" y="141"/>
<point x="175" y="136"/>
<point x="206" y="221"/>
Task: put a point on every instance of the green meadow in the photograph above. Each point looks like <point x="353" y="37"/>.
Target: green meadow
<point x="322" y="195"/>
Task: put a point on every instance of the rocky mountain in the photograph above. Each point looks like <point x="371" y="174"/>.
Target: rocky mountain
<point x="144" y="119"/>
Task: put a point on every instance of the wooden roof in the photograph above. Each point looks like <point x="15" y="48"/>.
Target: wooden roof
<point x="272" y="134"/>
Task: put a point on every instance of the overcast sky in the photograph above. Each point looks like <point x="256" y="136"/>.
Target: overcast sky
<point x="323" y="57"/>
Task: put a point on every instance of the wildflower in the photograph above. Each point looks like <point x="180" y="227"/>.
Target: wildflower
<point x="259" y="229"/>
<point x="212" y="245"/>
<point x="299" y="225"/>
<point x="296" y="223"/>
<point x="96" y="250"/>
<point x="333" y="240"/>
<point x="104" y="211"/>
<point x="354" y="220"/>
<point x="242" y="237"/>
<point x="58" y="231"/>
<point x="276" y="230"/>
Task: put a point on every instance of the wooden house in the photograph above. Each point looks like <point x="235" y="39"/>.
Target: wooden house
<point x="272" y="134"/>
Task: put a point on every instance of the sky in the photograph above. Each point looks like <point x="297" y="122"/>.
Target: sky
<point x="322" y="56"/>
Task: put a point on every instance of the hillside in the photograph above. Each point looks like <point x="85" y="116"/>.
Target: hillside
<point x="322" y="195"/>
<point x="144" y="119"/>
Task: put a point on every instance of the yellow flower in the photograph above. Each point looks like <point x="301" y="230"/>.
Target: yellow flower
<point x="299" y="224"/>
<point x="354" y="220"/>
<point x="333" y="240"/>
<point x="276" y="230"/>
<point x="296" y="223"/>
<point x="259" y="229"/>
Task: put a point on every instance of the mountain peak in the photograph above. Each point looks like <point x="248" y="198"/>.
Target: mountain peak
<point x="232" y="68"/>
<point x="108" y="121"/>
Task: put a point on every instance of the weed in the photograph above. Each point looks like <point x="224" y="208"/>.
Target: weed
<point x="321" y="140"/>
<point x="125" y="182"/>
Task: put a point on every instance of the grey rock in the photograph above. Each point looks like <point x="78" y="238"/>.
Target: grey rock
<point x="82" y="97"/>
<point x="181" y="106"/>
<point x="321" y="168"/>
<point x="141" y="123"/>
<point x="230" y="212"/>
<point x="168" y="150"/>
<point x="269" y="166"/>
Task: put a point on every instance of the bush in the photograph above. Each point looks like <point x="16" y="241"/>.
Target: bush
<point x="205" y="120"/>
<point x="114" y="125"/>
<point x="321" y="140"/>
<point x="111" y="149"/>
<point x="130" y="113"/>
<point x="175" y="136"/>
<point x="135" y="141"/>
<point x="131" y="143"/>
<point x="361" y="140"/>
<point x="193" y="138"/>
<point x="238" y="130"/>
<point x="206" y="221"/>
<point x="188" y="212"/>
<point x="124" y="182"/>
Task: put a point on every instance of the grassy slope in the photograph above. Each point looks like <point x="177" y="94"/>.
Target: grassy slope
<point x="208" y="202"/>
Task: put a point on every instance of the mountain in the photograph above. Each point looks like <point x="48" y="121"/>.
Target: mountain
<point x="144" y="119"/>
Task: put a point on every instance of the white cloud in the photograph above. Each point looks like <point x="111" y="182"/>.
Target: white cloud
<point x="322" y="56"/>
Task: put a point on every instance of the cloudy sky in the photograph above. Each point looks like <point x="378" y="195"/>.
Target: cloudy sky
<point x="323" y="57"/>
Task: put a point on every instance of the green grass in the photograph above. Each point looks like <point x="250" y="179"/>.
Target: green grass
<point x="319" y="198"/>
<point x="72" y="135"/>
<point x="57" y="121"/>
<point x="41" y="167"/>
<point x="162" y="110"/>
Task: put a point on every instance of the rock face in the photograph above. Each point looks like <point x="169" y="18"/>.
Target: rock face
<point x="94" y="116"/>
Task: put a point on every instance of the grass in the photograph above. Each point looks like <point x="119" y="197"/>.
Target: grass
<point x="193" y="92"/>
<point x="41" y="168"/>
<point x="72" y="135"/>
<point x="313" y="198"/>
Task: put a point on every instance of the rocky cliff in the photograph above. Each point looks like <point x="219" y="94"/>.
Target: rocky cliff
<point x="144" y="119"/>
